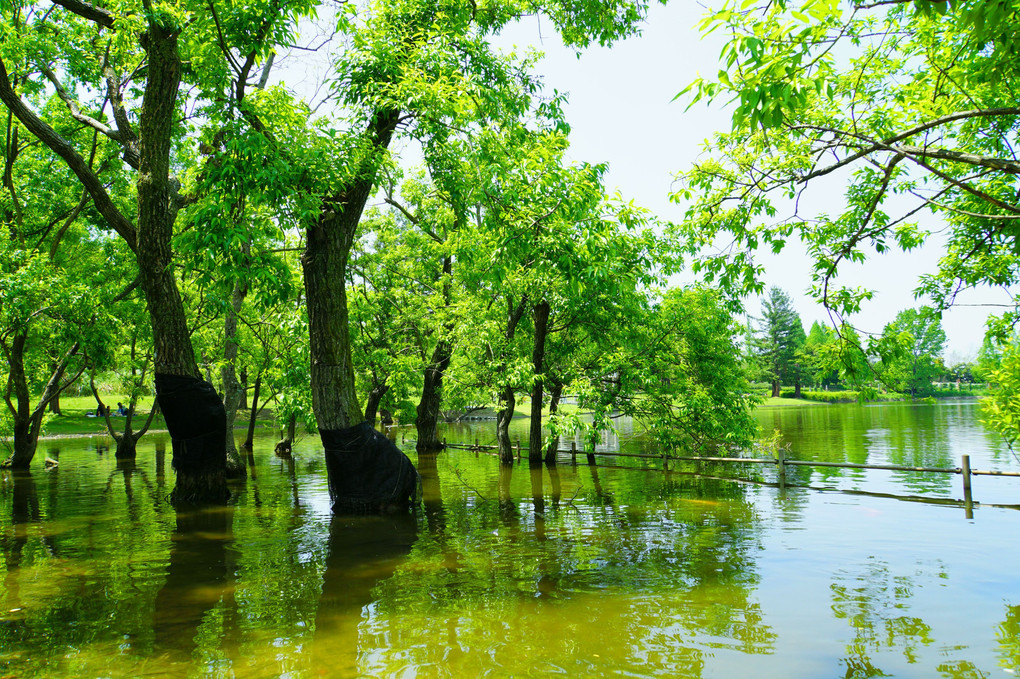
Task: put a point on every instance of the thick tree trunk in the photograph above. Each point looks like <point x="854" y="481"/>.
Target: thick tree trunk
<point x="777" y="388"/>
<point x="200" y="463"/>
<point x="432" y="398"/>
<point x="540" y="313"/>
<point x="372" y="403"/>
<point x="228" y="375"/>
<point x="359" y="464"/>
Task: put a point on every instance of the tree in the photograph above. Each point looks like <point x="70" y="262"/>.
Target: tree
<point x="677" y="368"/>
<point x="780" y="341"/>
<point x="911" y="105"/>
<point x="88" y="50"/>
<point x="816" y="347"/>
<point x="923" y="340"/>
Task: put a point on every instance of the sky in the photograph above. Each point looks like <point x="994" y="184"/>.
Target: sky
<point x="622" y="111"/>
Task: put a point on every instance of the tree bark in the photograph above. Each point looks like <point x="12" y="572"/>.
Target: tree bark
<point x="324" y="262"/>
<point x="201" y="468"/>
<point x="555" y="392"/>
<point x="28" y="419"/>
<point x="228" y="375"/>
<point x="540" y="313"/>
<point x="432" y="386"/>
<point x="507" y="397"/>
<point x="431" y="401"/>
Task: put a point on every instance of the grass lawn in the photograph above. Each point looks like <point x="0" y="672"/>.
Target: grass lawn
<point x="74" y="420"/>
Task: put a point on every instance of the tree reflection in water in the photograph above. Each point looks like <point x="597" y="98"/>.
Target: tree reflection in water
<point x="199" y="588"/>
<point x="363" y="551"/>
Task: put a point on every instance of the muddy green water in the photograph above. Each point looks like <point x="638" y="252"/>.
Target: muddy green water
<point x="564" y="571"/>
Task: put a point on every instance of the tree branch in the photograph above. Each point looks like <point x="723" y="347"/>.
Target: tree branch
<point x="87" y="11"/>
<point x="76" y="163"/>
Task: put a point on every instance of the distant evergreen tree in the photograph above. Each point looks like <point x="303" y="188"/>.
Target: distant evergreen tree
<point x="780" y="340"/>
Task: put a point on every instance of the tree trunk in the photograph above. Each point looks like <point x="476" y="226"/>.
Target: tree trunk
<point x="432" y="386"/>
<point x="249" y="440"/>
<point x="372" y="404"/>
<point x="507" y="403"/>
<point x="776" y="389"/>
<point x="555" y="392"/>
<point x="432" y="398"/>
<point x="228" y="375"/>
<point x="355" y="461"/>
<point x="541" y="316"/>
<point x="28" y="419"/>
<point x="243" y="403"/>
<point x="507" y="397"/>
<point x="25" y="441"/>
<point x="54" y="406"/>
<point x="191" y="415"/>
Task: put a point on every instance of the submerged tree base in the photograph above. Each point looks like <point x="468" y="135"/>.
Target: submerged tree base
<point x="200" y="489"/>
<point x="368" y="474"/>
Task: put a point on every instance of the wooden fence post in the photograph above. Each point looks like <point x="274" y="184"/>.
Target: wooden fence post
<point x="573" y="452"/>
<point x="781" y="462"/>
<point x="965" y="471"/>
<point x="518" y="448"/>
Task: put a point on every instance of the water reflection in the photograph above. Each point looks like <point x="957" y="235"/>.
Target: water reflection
<point x="362" y="552"/>
<point x="507" y="571"/>
<point x="198" y="594"/>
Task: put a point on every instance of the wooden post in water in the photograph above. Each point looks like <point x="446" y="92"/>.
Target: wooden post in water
<point x="965" y="471"/>
<point x="781" y="462"/>
<point x="518" y="448"/>
<point x="573" y="452"/>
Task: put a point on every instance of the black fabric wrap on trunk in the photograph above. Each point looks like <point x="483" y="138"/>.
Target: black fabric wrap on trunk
<point x="367" y="472"/>
<point x="196" y="420"/>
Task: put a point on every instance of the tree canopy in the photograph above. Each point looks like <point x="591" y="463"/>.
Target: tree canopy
<point x="909" y="105"/>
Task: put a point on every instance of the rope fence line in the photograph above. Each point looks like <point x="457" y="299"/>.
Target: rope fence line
<point x="779" y="460"/>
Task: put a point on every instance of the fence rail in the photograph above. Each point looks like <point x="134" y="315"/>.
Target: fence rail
<point x="964" y="470"/>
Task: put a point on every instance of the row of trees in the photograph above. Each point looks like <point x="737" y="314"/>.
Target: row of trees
<point x="782" y="354"/>
<point x="175" y="212"/>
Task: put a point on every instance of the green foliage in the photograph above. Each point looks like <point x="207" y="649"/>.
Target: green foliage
<point x="1002" y="406"/>
<point x="910" y="106"/>
<point x="679" y="372"/>
<point x="917" y="359"/>
<point x="780" y="340"/>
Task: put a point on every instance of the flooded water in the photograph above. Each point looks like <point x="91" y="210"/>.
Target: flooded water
<point x="615" y="570"/>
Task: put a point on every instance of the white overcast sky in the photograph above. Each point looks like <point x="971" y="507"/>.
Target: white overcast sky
<point x="621" y="112"/>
